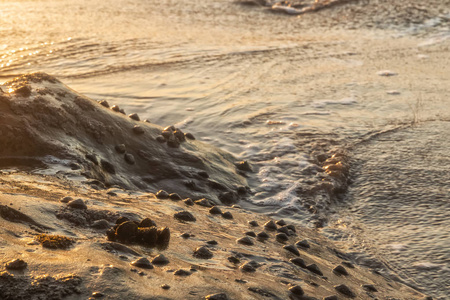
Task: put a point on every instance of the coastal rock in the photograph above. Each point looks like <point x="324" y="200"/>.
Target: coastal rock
<point x="270" y="225"/>
<point x="370" y="288"/>
<point x="142" y="262"/>
<point x="121" y="149"/>
<point x="298" y="262"/>
<point x="227" y="215"/>
<point x="340" y="270"/>
<point x="160" y="260"/>
<point x="215" y="210"/>
<point x="292" y="249"/>
<point x="147" y="222"/>
<point x="253" y="223"/>
<point x="174" y="197"/>
<point x="77" y="203"/>
<point x="315" y="269"/>
<point x="182" y="272"/>
<point x="203" y="253"/>
<point x="185" y="216"/>
<point x="296" y="290"/>
<point x="134" y="116"/>
<point x="126" y="232"/>
<point x="161" y="194"/>
<point x="129" y="158"/>
<point x="16" y="264"/>
<point x="281" y="237"/>
<point x="220" y="296"/>
<point x="245" y="241"/>
<point x="188" y="202"/>
<point x="345" y="290"/>
<point x="303" y="244"/>
<point x="203" y="202"/>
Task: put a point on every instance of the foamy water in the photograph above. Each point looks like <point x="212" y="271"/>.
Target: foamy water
<point x="256" y="84"/>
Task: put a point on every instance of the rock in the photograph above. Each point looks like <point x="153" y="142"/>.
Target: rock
<point x="369" y="288"/>
<point x="100" y="224"/>
<point x="104" y="103"/>
<point x="160" y="139"/>
<point x="126" y="232"/>
<point x="249" y="266"/>
<point x="203" y="202"/>
<point x="137" y="129"/>
<point x="129" y="158"/>
<point x="203" y="253"/>
<point x="343" y="289"/>
<point x="121" y="220"/>
<point x="147" y="222"/>
<point x="185" y="235"/>
<point x="298" y="262"/>
<point x="303" y="244"/>
<point x="115" y="108"/>
<point x="16" y="264"/>
<point x="235" y="206"/>
<point x="161" y="194"/>
<point x="262" y="235"/>
<point x="66" y="199"/>
<point x="281" y="237"/>
<point x="284" y="230"/>
<point x="203" y="174"/>
<point x="160" y="260"/>
<point x="340" y="270"/>
<point x="220" y="296"/>
<point x="97" y="295"/>
<point x="233" y="259"/>
<point x="244" y="166"/>
<point x="253" y="223"/>
<point x="107" y="166"/>
<point x="291" y="227"/>
<point x="315" y="269"/>
<point x="173" y="142"/>
<point x="185" y="216"/>
<point x="292" y="249"/>
<point x="296" y="290"/>
<point x="77" y="203"/>
<point x="348" y="264"/>
<point x="174" y="197"/>
<point x="334" y="297"/>
<point x="165" y="286"/>
<point x="134" y="117"/>
<point x="270" y="225"/>
<point x="179" y="135"/>
<point x="250" y="233"/>
<point x="163" y="239"/>
<point x="245" y="241"/>
<point x="281" y="222"/>
<point x="189" y="136"/>
<point x="143" y="263"/>
<point x="147" y="236"/>
<point x="188" y="202"/>
<point x="227" y="215"/>
<point x="121" y="149"/>
<point x="215" y="211"/>
<point x="212" y="242"/>
<point x="182" y="272"/>
<point x="92" y="158"/>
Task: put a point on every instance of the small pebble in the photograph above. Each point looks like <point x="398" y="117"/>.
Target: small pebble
<point x="298" y="262"/>
<point x="203" y="174"/>
<point x="296" y="290"/>
<point x="92" y="158"/>
<point x="315" y="269"/>
<point x="120" y="148"/>
<point x="134" y="116"/>
<point x="281" y="222"/>
<point x="212" y="242"/>
<point x="122" y="111"/>
<point x="251" y="233"/>
<point x="281" y="237"/>
<point x="147" y="222"/>
<point x="66" y="199"/>
<point x="291" y="227"/>
<point x="115" y="108"/>
<point x="249" y="266"/>
<point x="244" y="166"/>
<point x="348" y="264"/>
<point x="100" y="224"/>
<point x="203" y="202"/>
<point x="270" y="225"/>
<point x="189" y="136"/>
<point x="303" y="244"/>
<point x="227" y="215"/>
<point x="16" y="264"/>
<point x="142" y="262"/>
<point x="185" y="235"/>
<point x="160" y="139"/>
<point x="160" y="260"/>
<point x="220" y="296"/>
<point x="334" y="297"/>
<point x="185" y="216"/>
<point x="174" y="197"/>
<point x="343" y="289"/>
<point x="215" y="210"/>
<point x="77" y="203"/>
<point x="340" y="270"/>
<point x="245" y="241"/>
<point x="129" y="158"/>
<point x="262" y="235"/>
<point x="253" y="223"/>
<point x="203" y="253"/>
<point x="369" y="288"/>
<point x="181" y="272"/>
<point x="292" y="249"/>
<point x="188" y="202"/>
<point x="138" y="129"/>
<point x="233" y="259"/>
<point x="165" y="286"/>
<point x="161" y="194"/>
<point x="284" y="230"/>
<point x="146" y="121"/>
<point x="104" y="103"/>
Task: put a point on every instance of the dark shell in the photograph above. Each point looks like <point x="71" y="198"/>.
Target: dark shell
<point x="147" y="236"/>
<point x="163" y="238"/>
<point x="127" y="231"/>
<point x="147" y="222"/>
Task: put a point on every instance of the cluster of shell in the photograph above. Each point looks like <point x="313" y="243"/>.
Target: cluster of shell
<point x="144" y="233"/>
<point x="173" y="136"/>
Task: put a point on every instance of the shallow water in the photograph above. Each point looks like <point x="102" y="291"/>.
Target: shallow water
<point x="273" y="90"/>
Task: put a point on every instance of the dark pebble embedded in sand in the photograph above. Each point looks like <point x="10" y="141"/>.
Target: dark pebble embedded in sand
<point x="107" y="166"/>
<point x="115" y="108"/>
<point x="292" y="249"/>
<point x="174" y="197"/>
<point x="296" y="290"/>
<point x="291" y="227"/>
<point x="188" y="202"/>
<point x="220" y="296"/>
<point x="315" y="269"/>
<point x="100" y="224"/>
<point x="253" y="223"/>
<point x="134" y="116"/>
<point x="161" y="194"/>
<point x="284" y="230"/>
<point x="165" y="286"/>
<point x="281" y="237"/>
<point x="249" y="266"/>
<point x="334" y="297"/>
<point x="369" y="288"/>
<point x="160" y="260"/>
<point x="16" y="264"/>
<point x="104" y="103"/>
<point x="147" y="236"/>
<point x="244" y="166"/>
<point x="77" y="203"/>
<point x="189" y="135"/>
<point x="142" y="262"/>
<point x="262" y="235"/>
<point x="185" y="235"/>
<point x="270" y="225"/>
<point x="345" y="290"/>
<point x="203" y="174"/>
<point x="203" y="253"/>
<point x="298" y="262"/>
<point x="251" y="233"/>
<point x="160" y="139"/>
<point x="340" y="270"/>
<point x="163" y="237"/>
<point x="203" y="202"/>
<point x="92" y="158"/>
<point x="227" y="215"/>
<point x="97" y="295"/>
<point x="173" y="142"/>
<point x="129" y="158"/>
<point x="138" y="129"/>
<point x="66" y="199"/>
<point x="281" y="222"/>
<point x="303" y="244"/>
<point x="179" y="135"/>
<point x="233" y="259"/>
<point x="122" y="111"/>
<point x="212" y="242"/>
<point x="348" y="264"/>
<point x="185" y="216"/>
<point x="182" y="272"/>
<point x="215" y="211"/>
<point x="120" y="148"/>
<point x="245" y="241"/>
